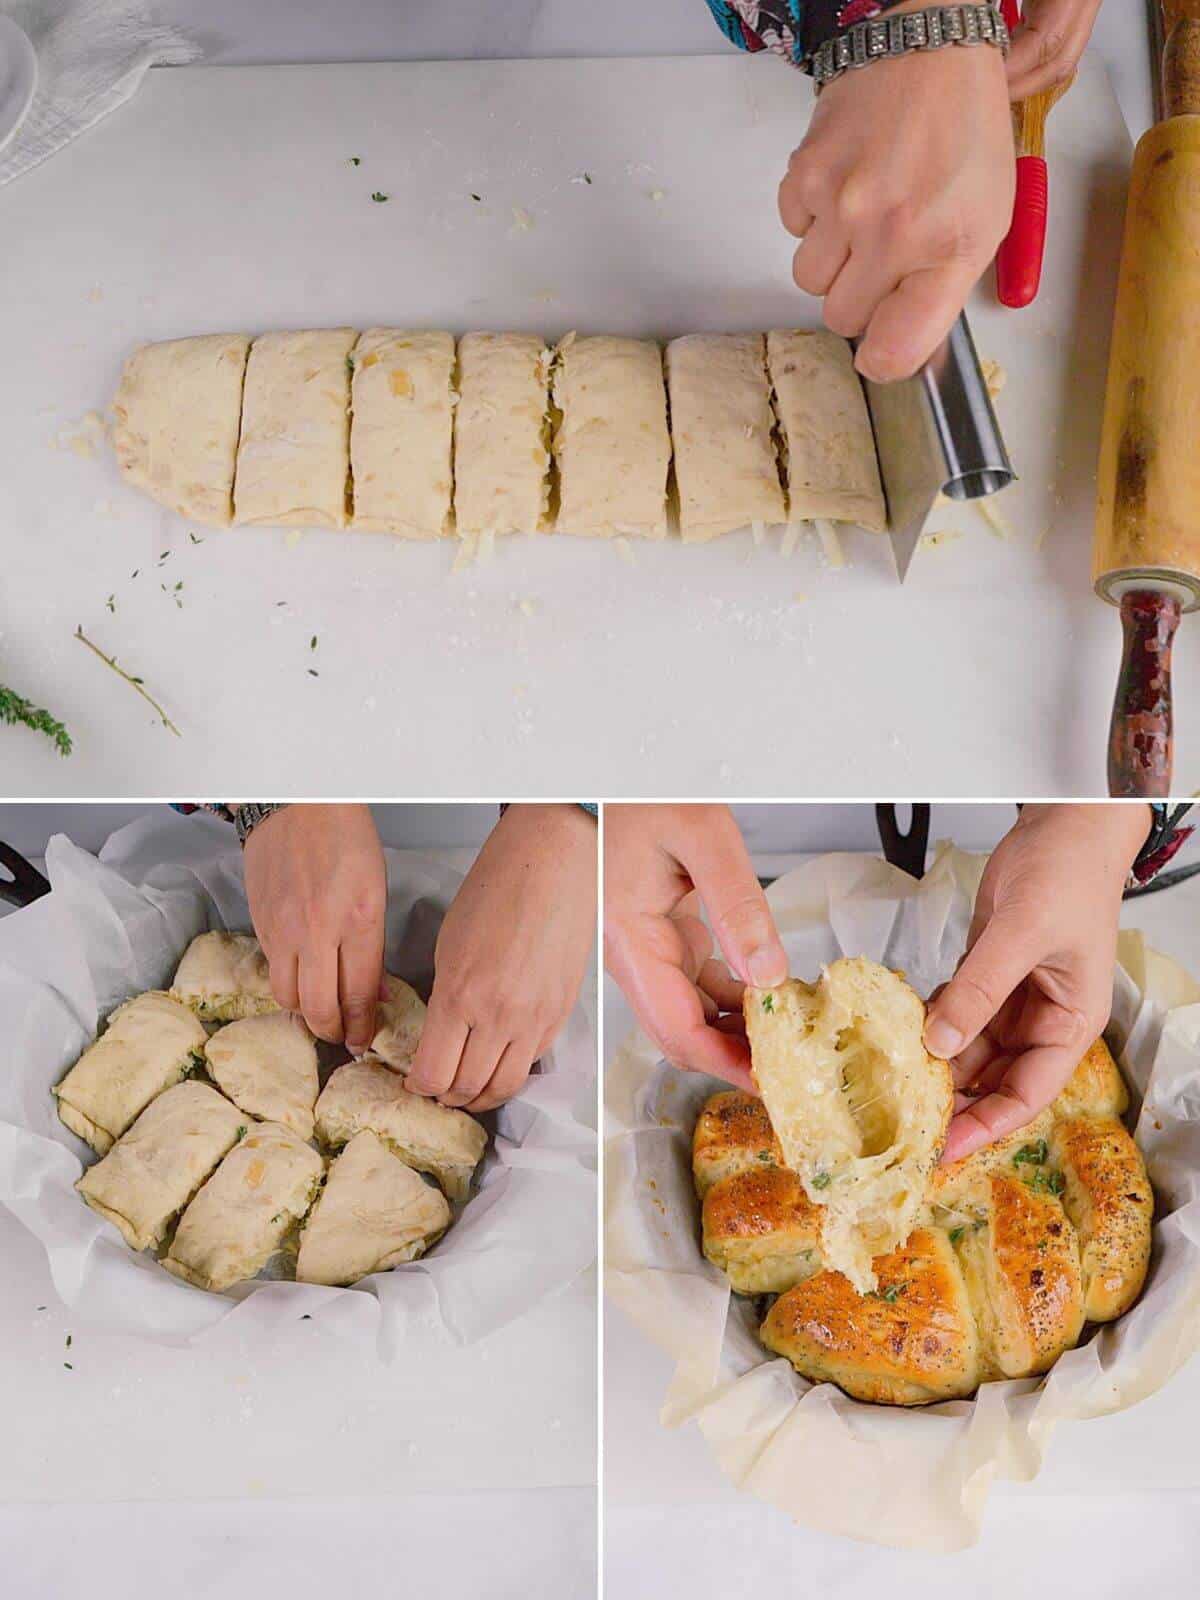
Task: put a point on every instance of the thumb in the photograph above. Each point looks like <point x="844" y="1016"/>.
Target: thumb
<point x="908" y="324"/>
<point x="720" y="868"/>
<point x="1001" y="958"/>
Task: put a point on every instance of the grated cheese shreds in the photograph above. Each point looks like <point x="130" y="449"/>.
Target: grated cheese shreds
<point x="830" y="542"/>
<point x="1040" y="540"/>
<point x="758" y="532"/>
<point x="465" y="554"/>
<point x="293" y="538"/>
<point x="487" y="545"/>
<point x="938" y="537"/>
<point x="791" y="538"/>
<point x="998" y="524"/>
<point x="994" y="376"/>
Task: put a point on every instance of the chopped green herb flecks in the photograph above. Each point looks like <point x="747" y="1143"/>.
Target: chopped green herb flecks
<point x="477" y="197"/>
<point x="1033" y="1153"/>
<point x="68" y="1366"/>
<point x="242" y="1131"/>
<point x="956" y="1234"/>
<point x="892" y="1293"/>
<point x="194" y="538"/>
<point x="768" y="1002"/>
<point x="356" y="161"/>
<point x="111" y="603"/>
<point x="312" y="643"/>
<point x="822" y="1180"/>
<point x="313" y="673"/>
<point x="379" y="197"/>
<point x="68" y="1341"/>
<point x="1047" y="1183"/>
<point x="765" y="1155"/>
<point x="19" y="712"/>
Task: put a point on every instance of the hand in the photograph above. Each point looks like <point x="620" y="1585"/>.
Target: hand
<point x="659" y="951"/>
<point x="510" y="957"/>
<point x="317" y="887"/>
<point x="1035" y="987"/>
<point x="1047" y="46"/>
<point x="901" y="191"/>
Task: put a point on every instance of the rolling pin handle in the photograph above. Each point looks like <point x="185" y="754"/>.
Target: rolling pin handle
<point x="1140" y="735"/>
<point x="1181" y="68"/>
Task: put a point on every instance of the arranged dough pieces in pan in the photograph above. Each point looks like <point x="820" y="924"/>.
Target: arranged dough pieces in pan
<point x="293" y="461"/>
<point x="431" y="1137"/>
<point x="373" y="1213"/>
<point x="828" y="446"/>
<point x="148" y="1046"/>
<point x="268" y="1066"/>
<point x="152" y="1171"/>
<point x="402" y="424"/>
<point x="501" y="458"/>
<point x="722" y="424"/>
<point x="242" y="1215"/>
<point x="224" y="976"/>
<point x="611" y="447"/>
<point x="178" y="411"/>
<point x="399" y="1020"/>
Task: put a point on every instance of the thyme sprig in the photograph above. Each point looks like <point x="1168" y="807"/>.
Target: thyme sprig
<point x="134" y="683"/>
<point x="19" y="712"/>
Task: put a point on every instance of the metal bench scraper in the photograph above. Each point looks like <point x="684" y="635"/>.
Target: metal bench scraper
<point x="936" y="433"/>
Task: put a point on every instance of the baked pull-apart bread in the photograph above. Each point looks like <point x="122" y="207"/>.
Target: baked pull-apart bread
<point x="433" y="1138"/>
<point x="1016" y="1247"/>
<point x="151" y="1042"/>
<point x="224" y="976"/>
<point x="860" y="1106"/>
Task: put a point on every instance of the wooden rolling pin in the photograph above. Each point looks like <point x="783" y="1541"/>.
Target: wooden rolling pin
<point x="1146" y="552"/>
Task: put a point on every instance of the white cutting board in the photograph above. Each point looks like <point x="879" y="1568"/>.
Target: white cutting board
<point x="226" y="199"/>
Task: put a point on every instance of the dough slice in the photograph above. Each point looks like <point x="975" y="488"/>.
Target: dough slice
<point x="242" y="1215"/>
<point x="611" y="447"/>
<point x="178" y="411"/>
<point x="399" y="1021"/>
<point x="860" y="1107"/>
<point x="827" y="444"/>
<point x="373" y="1213"/>
<point x="224" y="976"/>
<point x="267" y="1065"/>
<point x="402" y="423"/>
<point x="152" y="1171"/>
<point x="293" y="463"/>
<point x="431" y="1137"/>
<point x="722" y="428"/>
<point x="501" y="432"/>
<point x="150" y="1043"/>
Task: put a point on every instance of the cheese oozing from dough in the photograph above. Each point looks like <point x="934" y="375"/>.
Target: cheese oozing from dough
<point x="293" y="462"/>
<point x="401" y="430"/>
<point x="501" y="436"/>
<point x="611" y="446"/>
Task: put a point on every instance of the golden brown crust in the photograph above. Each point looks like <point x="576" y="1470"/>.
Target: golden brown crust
<point x="1096" y="1087"/>
<point x="948" y="1183"/>
<point x="911" y="1342"/>
<point x="1111" y="1205"/>
<point x="734" y="1134"/>
<point x="762" y="1230"/>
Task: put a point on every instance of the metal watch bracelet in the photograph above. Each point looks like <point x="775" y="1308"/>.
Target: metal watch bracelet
<point x="248" y="818"/>
<point x="888" y="36"/>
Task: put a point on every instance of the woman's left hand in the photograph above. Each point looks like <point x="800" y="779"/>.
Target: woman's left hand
<point x="510" y="957"/>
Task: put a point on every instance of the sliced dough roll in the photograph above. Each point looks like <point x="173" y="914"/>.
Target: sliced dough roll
<point x="152" y="1171"/>
<point x="722" y="428"/>
<point x="224" y="976"/>
<point x="242" y="1215"/>
<point x="828" y="446"/>
<point x="501" y="454"/>
<point x="611" y="447"/>
<point x="178" y="412"/>
<point x="268" y="1066"/>
<point x="373" y="1213"/>
<point x="399" y="1021"/>
<point x="401" y="428"/>
<point x="431" y="1137"/>
<point x="293" y="462"/>
<point x="149" y="1044"/>
<point x="860" y="1107"/>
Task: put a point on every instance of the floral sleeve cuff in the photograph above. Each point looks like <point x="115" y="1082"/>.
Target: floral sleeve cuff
<point x="791" y="28"/>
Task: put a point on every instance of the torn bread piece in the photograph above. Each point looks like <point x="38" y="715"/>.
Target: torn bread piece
<point x="722" y="428"/>
<point x="611" y="447"/>
<point x="431" y="1137"/>
<point x="151" y="1042"/>
<point x="373" y="1213"/>
<point x="859" y="1106"/>
<point x="399" y="1020"/>
<point x="155" y="1168"/>
<point x="293" y="462"/>
<point x="826" y="442"/>
<point x="401" y="430"/>
<point x="267" y="1065"/>
<point x="178" y="414"/>
<point x="501" y="435"/>
<point x="224" y="976"/>
<point x="242" y="1215"/>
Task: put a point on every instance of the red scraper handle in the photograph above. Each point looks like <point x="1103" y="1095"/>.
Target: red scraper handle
<point x="1140" y="736"/>
<point x="1019" y="258"/>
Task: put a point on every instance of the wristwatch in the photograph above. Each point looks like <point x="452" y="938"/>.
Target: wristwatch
<point x="886" y="36"/>
<point x="249" y="816"/>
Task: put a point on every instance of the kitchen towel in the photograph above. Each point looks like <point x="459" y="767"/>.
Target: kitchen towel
<point x="92" y="55"/>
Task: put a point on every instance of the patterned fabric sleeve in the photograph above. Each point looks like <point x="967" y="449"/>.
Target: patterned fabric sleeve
<point x="791" y="28"/>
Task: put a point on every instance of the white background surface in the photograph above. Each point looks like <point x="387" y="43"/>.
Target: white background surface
<point x="224" y="198"/>
<point x="304" y="1464"/>
<point x="1115" y="1509"/>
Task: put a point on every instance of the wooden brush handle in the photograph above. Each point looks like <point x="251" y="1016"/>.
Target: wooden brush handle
<point x="1140" y="737"/>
